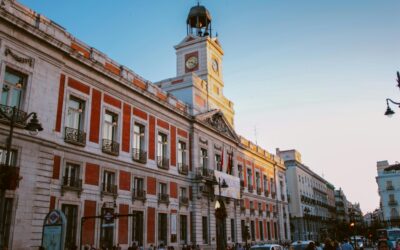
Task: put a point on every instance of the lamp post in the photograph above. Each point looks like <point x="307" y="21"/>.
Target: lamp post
<point x="306" y="213"/>
<point x="353" y="226"/>
<point x="13" y="116"/>
<point x="389" y="112"/>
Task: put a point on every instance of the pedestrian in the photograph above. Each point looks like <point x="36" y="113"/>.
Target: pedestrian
<point x="398" y="245"/>
<point x="311" y="246"/>
<point x="328" y="244"/>
<point x="318" y="245"/>
<point x="383" y="245"/>
<point x="346" y="245"/>
<point x="336" y="245"/>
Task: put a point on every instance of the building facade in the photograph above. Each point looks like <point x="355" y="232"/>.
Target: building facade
<point x="388" y="181"/>
<point x="342" y="210"/>
<point x="311" y="204"/>
<point x="156" y="163"/>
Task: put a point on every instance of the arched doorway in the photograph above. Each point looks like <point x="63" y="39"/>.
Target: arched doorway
<point x="220" y="222"/>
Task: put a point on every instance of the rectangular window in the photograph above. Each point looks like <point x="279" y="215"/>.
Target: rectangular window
<point x="5" y="223"/>
<point x="137" y="227"/>
<point x="265" y="183"/>
<point x="240" y="170"/>
<point x="138" y="190"/>
<point x="253" y="231"/>
<point x="75" y="113"/>
<point x="243" y="227"/>
<point x="3" y="157"/>
<point x="162" y="228"/>
<point x="162" y="145"/>
<point x="205" y="229"/>
<point x="183" y="192"/>
<point x="203" y="158"/>
<point x="109" y="182"/>
<point x="162" y="188"/>
<point x="181" y="153"/>
<point x="13" y="88"/>
<point x="183" y="229"/>
<point x="261" y="230"/>
<point x="275" y="231"/>
<point x="269" y="230"/>
<point x="258" y="183"/>
<point x="249" y="179"/>
<point x="218" y="162"/>
<point x="192" y="231"/>
<point x="71" y="214"/>
<point x="138" y="137"/>
<point x="71" y="175"/>
<point x="272" y="185"/>
<point x="110" y="126"/>
<point x="233" y="231"/>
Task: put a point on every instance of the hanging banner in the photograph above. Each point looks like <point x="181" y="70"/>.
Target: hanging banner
<point x="173" y="223"/>
<point x="233" y="189"/>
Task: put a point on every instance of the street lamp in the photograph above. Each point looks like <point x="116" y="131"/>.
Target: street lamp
<point x="14" y="117"/>
<point x="220" y="213"/>
<point x="389" y="112"/>
<point x="353" y="226"/>
<point x="307" y="212"/>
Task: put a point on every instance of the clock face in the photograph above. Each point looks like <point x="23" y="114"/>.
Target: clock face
<point x="191" y="62"/>
<point x="215" y="65"/>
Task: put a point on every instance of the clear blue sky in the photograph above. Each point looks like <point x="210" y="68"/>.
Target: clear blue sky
<point x="310" y="75"/>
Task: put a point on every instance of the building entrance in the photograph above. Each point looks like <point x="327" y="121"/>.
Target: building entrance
<point x="220" y="221"/>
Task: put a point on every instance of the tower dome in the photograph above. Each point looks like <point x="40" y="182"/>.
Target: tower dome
<point x="199" y="21"/>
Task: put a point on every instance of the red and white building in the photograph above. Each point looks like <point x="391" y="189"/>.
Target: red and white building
<point x="116" y="143"/>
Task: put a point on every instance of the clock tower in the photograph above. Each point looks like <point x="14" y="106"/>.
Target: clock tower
<point x="199" y="80"/>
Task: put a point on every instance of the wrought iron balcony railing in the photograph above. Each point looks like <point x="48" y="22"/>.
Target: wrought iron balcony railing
<point x="266" y="193"/>
<point x="71" y="184"/>
<point x="205" y="173"/>
<point x="110" y="147"/>
<point x="139" y="155"/>
<point x="138" y="194"/>
<point x="273" y="194"/>
<point x="20" y="116"/>
<point x="183" y="201"/>
<point x="393" y="203"/>
<point x="75" y="136"/>
<point x="183" y="169"/>
<point x="163" y="198"/>
<point x="108" y="189"/>
<point x="162" y="162"/>
<point x="260" y="212"/>
<point x="389" y="187"/>
<point x="242" y="206"/>
<point x="250" y="188"/>
<point x="252" y="211"/>
<point x="283" y="197"/>
<point x="241" y="184"/>
<point x="259" y="191"/>
<point x="9" y="177"/>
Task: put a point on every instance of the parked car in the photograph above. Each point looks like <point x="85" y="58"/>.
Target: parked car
<point x="267" y="247"/>
<point x="300" y="245"/>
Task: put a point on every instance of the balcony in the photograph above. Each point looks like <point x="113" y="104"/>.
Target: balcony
<point x="108" y="189"/>
<point x="259" y="191"/>
<point x="389" y="187"/>
<point x="260" y="212"/>
<point x="183" y="169"/>
<point x="110" y="147"/>
<point x="283" y="197"/>
<point x="75" y="136"/>
<point x="242" y="206"/>
<point x="9" y="177"/>
<point x="138" y="194"/>
<point x="205" y="173"/>
<point x="241" y="184"/>
<point x="273" y="194"/>
<point x="266" y="193"/>
<point x="139" y="155"/>
<point x="268" y="213"/>
<point x="392" y="203"/>
<point x="252" y="211"/>
<point x="183" y="201"/>
<point x="20" y="116"/>
<point x="162" y="162"/>
<point x="163" y="198"/>
<point x="71" y="184"/>
<point x="250" y="188"/>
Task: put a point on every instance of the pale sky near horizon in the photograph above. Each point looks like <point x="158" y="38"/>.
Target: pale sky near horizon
<point x="309" y="75"/>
